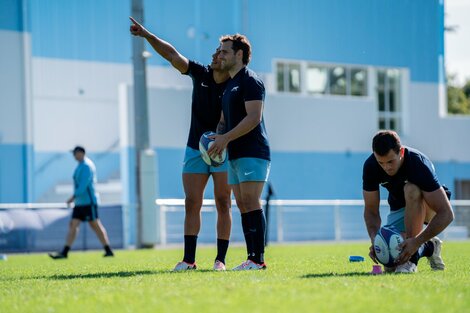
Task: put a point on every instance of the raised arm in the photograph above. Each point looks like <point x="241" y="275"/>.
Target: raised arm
<point x="163" y="48"/>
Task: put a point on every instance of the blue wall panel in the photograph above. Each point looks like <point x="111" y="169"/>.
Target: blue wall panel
<point x="13" y="179"/>
<point x="13" y="15"/>
<point x="81" y="30"/>
<point x="383" y="33"/>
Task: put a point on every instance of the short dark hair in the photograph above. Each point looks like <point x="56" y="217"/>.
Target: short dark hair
<point x="239" y="42"/>
<point x="384" y="141"/>
<point x="78" y="149"/>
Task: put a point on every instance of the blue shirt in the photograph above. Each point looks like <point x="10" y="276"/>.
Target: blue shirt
<point x="245" y="86"/>
<point x="416" y="169"/>
<point x="84" y="180"/>
<point x="206" y="104"/>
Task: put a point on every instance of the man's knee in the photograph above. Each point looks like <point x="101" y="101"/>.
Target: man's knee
<point x="412" y="192"/>
<point x="73" y="224"/>
<point x="192" y="204"/>
<point x="223" y="203"/>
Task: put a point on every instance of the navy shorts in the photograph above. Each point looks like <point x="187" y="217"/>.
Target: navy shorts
<point x="85" y="213"/>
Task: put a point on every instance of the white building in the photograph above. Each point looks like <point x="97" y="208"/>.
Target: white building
<point x="335" y="71"/>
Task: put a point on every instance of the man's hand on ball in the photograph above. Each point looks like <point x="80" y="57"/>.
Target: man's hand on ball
<point x="408" y="248"/>
<point x="220" y="143"/>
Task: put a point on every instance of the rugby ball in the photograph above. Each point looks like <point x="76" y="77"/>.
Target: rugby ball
<point x="204" y="144"/>
<point x="386" y="245"/>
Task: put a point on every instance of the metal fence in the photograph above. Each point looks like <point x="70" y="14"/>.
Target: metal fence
<point x="26" y="227"/>
<point x="297" y="220"/>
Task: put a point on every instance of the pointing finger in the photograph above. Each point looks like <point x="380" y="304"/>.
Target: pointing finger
<point x="133" y="21"/>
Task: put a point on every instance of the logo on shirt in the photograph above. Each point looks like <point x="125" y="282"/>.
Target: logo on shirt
<point x="204" y="85"/>
<point x="234" y="88"/>
<point x="248" y="173"/>
<point x="384" y="183"/>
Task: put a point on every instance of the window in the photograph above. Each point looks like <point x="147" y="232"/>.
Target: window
<point x="358" y="82"/>
<point x="288" y="77"/>
<point x="321" y="79"/>
<point x="388" y="99"/>
<point x="317" y="79"/>
<point x="462" y="189"/>
<point x="337" y="76"/>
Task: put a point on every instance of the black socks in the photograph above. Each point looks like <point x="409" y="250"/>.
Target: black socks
<point x="254" y="228"/>
<point x="222" y="246"/>
<point x="426" y="250"/>
<point x="65" y="251"/>
<point x="108" y="250"/>
<point x="190" y="243"/>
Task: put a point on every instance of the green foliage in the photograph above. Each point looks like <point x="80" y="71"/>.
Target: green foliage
<point x="458" y="98"/>
<point x="466" y="89"/>
<point x="299" y="278"/>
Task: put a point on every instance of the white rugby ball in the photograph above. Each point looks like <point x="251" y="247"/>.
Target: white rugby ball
<point x="204" y="144"/>
<point x="386" y="244"/>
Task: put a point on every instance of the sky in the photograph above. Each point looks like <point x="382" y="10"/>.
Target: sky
<point x="457" y="43"/>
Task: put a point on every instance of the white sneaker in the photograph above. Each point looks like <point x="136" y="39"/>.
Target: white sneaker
<point x="219" y="266"/>
<point x="249" y="265"/>
<point x="435" y="260"/>
<point x="408" y="267"/>
<point x="183" y="266"/>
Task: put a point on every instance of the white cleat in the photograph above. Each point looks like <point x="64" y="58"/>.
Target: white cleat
<point x="435" y="260"/>
<point x="249" y="265"/>
<point x="183" y="266"/>
<point x="219" y="266"/>
<point x="406" y="268"/>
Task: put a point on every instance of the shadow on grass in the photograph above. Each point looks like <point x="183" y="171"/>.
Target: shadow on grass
<point x="350" y="274"/>
<point x="121" y="274"/>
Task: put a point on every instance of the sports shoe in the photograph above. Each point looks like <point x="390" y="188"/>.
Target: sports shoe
<point x="183" y="266"/>
<point x="57" y="256"/>
<point x="219" y="266"/>
<point x="108" y="254"/>
<point x="435" y="260"/>
<point x="406" y="268"/>
<point x="249" y="265"/>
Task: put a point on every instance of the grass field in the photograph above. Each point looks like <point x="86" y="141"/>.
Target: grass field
<point x="300" y="278"/>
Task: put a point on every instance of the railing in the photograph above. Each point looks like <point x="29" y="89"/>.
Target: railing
<point x="42" y="226"/>
<point x="289" y="220"/>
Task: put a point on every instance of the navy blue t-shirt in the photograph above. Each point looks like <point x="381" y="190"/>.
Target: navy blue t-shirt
<point x="416" y="169"/>
<point x="206" y="104"/>
<point x="245" y="86"/>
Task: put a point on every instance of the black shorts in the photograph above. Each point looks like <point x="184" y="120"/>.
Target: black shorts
<point x="85" y="213"/>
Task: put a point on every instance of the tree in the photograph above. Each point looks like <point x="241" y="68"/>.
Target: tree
<point x="458" y="98"/>
<point x="466" y="89"/>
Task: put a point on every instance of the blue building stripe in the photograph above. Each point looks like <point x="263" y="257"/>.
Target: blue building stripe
<point x="14" y="15"/>
<point x="385" y="33"/>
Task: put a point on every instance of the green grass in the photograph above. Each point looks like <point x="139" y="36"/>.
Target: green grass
<point x="300" y="278"/>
